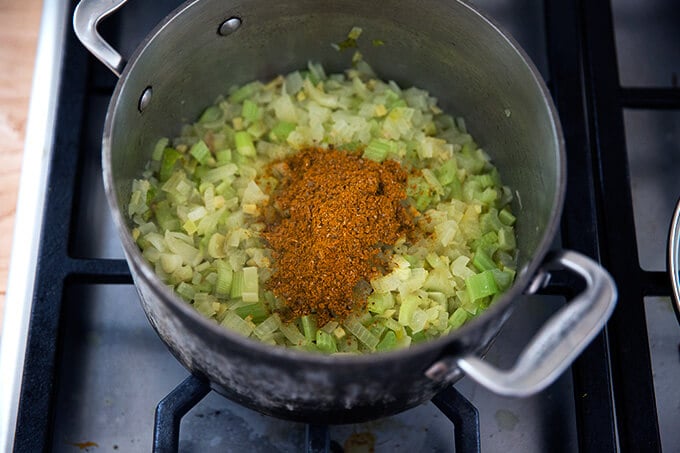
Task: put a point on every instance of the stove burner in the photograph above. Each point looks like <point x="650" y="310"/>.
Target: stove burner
<point x="192" y="390"/>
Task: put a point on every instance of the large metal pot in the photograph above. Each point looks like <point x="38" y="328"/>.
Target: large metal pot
<point x="446" y="47"/>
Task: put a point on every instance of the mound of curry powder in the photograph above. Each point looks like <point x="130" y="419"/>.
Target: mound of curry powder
<point x="330" y="222"/>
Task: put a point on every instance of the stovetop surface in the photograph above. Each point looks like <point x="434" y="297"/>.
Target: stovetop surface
<point x="112" y="370"/>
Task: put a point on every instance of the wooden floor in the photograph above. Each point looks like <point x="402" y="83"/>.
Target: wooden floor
<point x="19" y="23"/>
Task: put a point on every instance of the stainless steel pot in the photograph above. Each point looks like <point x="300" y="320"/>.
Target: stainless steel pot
<point x="447" y="47"/>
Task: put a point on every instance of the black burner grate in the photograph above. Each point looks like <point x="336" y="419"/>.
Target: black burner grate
<point x="186" y="395"/>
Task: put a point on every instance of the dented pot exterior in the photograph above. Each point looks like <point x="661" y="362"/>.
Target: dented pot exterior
<point x="443" y="46"/>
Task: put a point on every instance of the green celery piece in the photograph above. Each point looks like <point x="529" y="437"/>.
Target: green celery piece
<point x="282" y="130"/>
<point x="489" y="241"/>
<point x="223" y="156"/>
<point x="200" y="151"/>
<point x="388" y="342"/>
<point x="211" y="114"/>
<point x="379" y="302"/>
<point x="352" y="146"/>
<point x="488" y="196"/>
<point x="377" y="327"/>
<point x="236" y="285"/>
<point x="244" y="144"/>
<point x="186" y="291"/>
<point x="361" y="333"/>
<point x="250" y="111"/>
<point x="470" y="160"/>
<point x="456" y="188"/>
<point x="309" y="327"/>
<point x="409" y="304"/>
<point x="257" y="129"/>
<point x="506" y="217"/>
<point x="472" y="190"/>
<point x="423" y="201"/>
<point x="292" y="334"/>
<point x="225" y="276"/>
<point x="204" y="305"/>
<point x="489" y="221"/>
<point x="439" y="279"/>
<point x="377" y="150"/>
<point x="325" y="342"/>
<point x="161" y="144"/>
<point x="486" y="180"/>
<point x="481" y="285"/>
<point x="234" y="322"/>
<point x="458" y="318"/>
<point x="414" y="261"/>
<point x="447" y="172"/>
<point x="503" y="278"/>
<point x="506" y="239"/>
<point x="482" y="261"/>
<point x="250" y="291"/>
<point x="166" y="216"/>
<point x="170" y="157"/>
<point x="243" y="93"/>
<point x="257" y="311"/>
<point x="419" y="337"/>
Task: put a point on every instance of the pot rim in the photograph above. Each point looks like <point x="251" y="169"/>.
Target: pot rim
<point x="142" y="269"/>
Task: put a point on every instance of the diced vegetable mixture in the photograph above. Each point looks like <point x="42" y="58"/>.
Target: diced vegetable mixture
<point x="198" y="210"/>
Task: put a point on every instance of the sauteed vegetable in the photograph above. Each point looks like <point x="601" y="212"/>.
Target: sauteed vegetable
<point x="214" y="216"/>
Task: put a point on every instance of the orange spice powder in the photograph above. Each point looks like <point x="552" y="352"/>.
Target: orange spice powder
<point x="331" y="223"/>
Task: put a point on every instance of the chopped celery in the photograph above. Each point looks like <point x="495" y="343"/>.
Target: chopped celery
<point x="250" y="290"/>
<point x="481" y="285"/>
<point x="482" y="261"/>
<point x="225" y="277"/>
<point x="457" y="318"/>
<point x="506" y="239"/>
<point x="236" y="289"/>
<point x="325" y="342"/>
<point x="161" y="144"/>
<point x="185" y="290"/>
<point x="244" y="143"/>
<point x="267" y="327"/>
<point x="361" y="332"/>
<point x="234" y="322"/>
<point x="503" y="278"/>
<point x="257" y="312"/>
<point x="250" y="111"/>
<point x="170" y="157"/>
<point x="506" y="217"/>
<point x="211" y="114"/>
<point x="199" y="214"/>
<point x="292" y="334"/>
<point x="409" y="304"/>
<point x="200" y="151"/>
<point x="243" y="93"/>
<point x="377" y="150"/>
<point x="308" y="327"/>
<point x="379" y="302"/>
<point x="388" y="342"/>
<point x="223" y="156"/>
<point x="282" y="130"/>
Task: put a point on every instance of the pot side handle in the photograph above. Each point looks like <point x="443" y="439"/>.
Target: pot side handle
<point x="556" y="345"/>
<point x="86" y="18"/>
<point x="674" y="259"/>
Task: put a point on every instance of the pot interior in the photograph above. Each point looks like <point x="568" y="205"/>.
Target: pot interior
<point x="444" y="47"/>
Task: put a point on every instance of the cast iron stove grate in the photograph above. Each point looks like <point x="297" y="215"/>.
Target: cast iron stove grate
<point x="615" y="404"/>
<point x="186" y="395"/>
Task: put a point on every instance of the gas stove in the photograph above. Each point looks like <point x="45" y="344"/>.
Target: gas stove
<point x="82" y="369"/>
